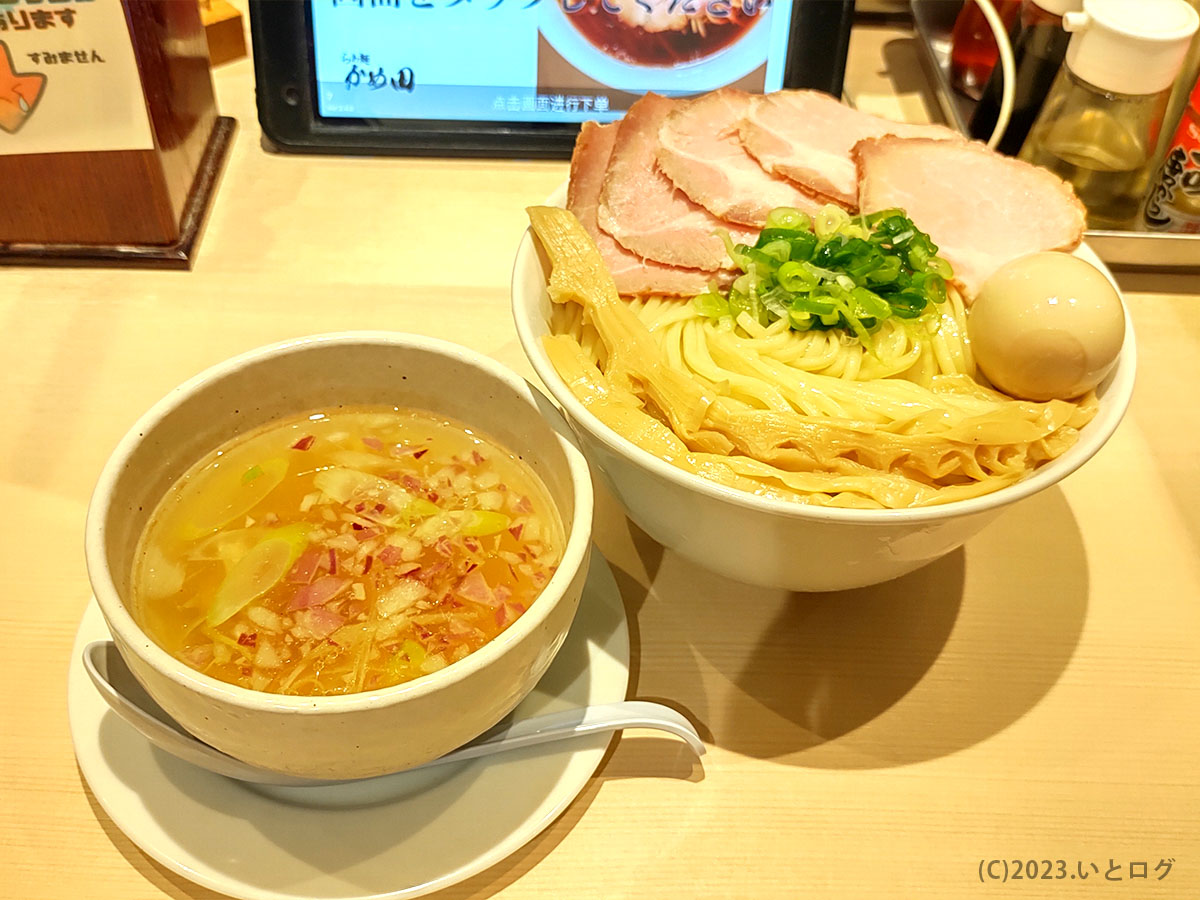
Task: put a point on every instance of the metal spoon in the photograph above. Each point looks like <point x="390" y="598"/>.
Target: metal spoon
<point x="130" y="701"/>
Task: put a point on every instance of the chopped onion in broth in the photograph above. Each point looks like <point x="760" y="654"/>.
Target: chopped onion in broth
<point x="344" y="551"/>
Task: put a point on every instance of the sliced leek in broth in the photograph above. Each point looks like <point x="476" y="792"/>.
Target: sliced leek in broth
<point x="344" y="550"/>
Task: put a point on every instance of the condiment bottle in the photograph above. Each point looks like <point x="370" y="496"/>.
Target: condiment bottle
<point x="1038" y="50"/>
<point x="973" y="50"/>
<point x="1179" y="94"/>
<point x="1100" y="124"/>
<point x="1174" y="201"/>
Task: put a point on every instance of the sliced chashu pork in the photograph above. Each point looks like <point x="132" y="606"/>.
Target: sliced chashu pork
<point x="589" y="162"/>
<point x="981" y="209"/>
<point x="807" y="136"/>
<point x="642" y="208"/>
<point x="699" y="150"/>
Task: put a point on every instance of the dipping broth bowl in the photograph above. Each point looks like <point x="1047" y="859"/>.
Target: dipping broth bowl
<point x="374" y="732"/>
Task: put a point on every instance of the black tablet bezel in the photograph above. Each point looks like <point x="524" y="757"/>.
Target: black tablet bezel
<point x="283" y="66"/>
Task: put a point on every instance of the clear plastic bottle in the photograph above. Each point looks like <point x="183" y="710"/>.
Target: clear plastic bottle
<point x="1038" y="50"/>
<point x="1100" y="123"/>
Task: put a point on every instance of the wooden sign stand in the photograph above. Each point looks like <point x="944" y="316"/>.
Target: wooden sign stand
<point x="140" y="207"/>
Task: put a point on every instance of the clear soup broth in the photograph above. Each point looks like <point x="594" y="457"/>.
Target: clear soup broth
<point x="344" y="550"/>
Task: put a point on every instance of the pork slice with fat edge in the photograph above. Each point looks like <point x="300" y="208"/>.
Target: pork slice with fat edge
<point x="700" y="151"/>
<point x="632" y="275"/>
<point x="644" y="211"/>
<point x="807" y="136"/>
<point x="982" y="209"/>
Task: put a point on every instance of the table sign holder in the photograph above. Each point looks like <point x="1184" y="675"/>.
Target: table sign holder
<point x="110" y="141"/>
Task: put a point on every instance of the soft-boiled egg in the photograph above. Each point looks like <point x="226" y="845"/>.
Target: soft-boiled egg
<point x="1046" y="326"/>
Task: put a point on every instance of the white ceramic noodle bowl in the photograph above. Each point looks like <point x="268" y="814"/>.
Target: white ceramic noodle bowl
<point x="774" y="543"/>
<point x="375" y="732"/>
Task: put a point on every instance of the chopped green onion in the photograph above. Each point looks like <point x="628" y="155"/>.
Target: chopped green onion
<point x="778" y="250"/>
<point x="742" y="303"/>
<point x="917" y="257"/>
<point x="833" y="270"/>
<point x="777" y="234"/>
<point x="908" y="304"/>
<point x="734" y="250"/>
<point x="251" y="473"/>
<point x="870" y="303"/>
<point x="877" y="218"/>
<point x="939" y="266"/>
<point x="886" y="272"/>
<point x="777" y="301"/>
<point x="789" y="218"/>
<point x="711" y="305"/>
<point x="935" y="288"/>
<point x="760" y="257"/>
<point x="795" y="277"/>
<point x="814" y="306"/>
<point x="799" y="321"/>
<point x="804" y="245"/>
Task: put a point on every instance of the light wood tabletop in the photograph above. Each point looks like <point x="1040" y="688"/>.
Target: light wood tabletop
<point x="1034" y="696"/>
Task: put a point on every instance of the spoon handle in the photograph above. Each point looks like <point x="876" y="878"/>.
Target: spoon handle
<point x="595" y="719"/>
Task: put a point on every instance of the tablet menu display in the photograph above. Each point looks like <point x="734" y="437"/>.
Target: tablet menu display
<point x="550" y="61"/>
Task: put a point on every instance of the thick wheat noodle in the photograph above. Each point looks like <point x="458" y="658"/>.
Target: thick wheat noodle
<point x="813" y="416"/>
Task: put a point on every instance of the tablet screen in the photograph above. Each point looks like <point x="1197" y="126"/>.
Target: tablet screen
<point x="549" y="61"/>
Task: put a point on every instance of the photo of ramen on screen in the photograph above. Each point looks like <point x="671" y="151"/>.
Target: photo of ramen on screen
<point x="664" y="32"/>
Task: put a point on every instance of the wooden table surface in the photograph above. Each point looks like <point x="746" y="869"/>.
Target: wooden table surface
<point x="1035" y="695"/>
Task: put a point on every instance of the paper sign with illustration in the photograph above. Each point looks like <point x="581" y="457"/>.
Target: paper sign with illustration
<point x="68" y="79"/>
<point x="19" y="92"/>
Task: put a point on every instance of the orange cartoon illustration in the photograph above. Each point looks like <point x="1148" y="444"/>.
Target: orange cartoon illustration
<point x="19" y="93"/>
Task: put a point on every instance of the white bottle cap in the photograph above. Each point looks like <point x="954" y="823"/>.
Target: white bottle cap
<point x="1059" y="7"/>
<point x="1130" y="47"/>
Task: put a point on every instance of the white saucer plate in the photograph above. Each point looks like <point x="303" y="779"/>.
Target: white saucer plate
<point x="397" y="837"/>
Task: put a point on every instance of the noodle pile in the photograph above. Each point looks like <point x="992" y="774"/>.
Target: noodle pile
<point x="812" y="417"/>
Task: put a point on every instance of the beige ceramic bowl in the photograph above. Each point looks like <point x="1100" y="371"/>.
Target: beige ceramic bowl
<point x="375" y="732"/>
<point x="774" y="543"/>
